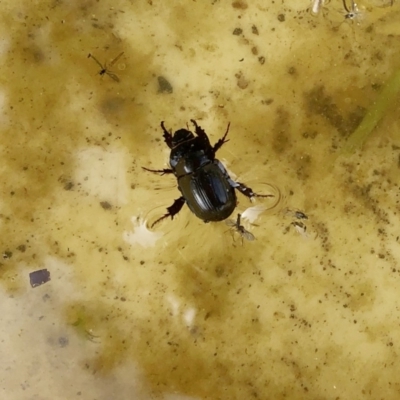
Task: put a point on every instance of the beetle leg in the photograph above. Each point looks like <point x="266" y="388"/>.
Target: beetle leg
<point x="167" y="136"/>
<point x="201" y="133"/>
<point x="248" y="192"/>
<point x="172" y="210"/>
<point x="221" y="141"/>
<point x="160" y="171"/>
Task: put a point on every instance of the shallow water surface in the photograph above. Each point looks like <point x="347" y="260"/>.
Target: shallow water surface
<point x="188" y="311"/>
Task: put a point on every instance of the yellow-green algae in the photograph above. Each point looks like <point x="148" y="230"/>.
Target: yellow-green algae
<point x="380" y="106"/>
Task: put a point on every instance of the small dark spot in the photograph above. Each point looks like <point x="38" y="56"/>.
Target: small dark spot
<point x="292" y="71"/>
<point x="290" y="273"/>
<point x="106" y="205"/>
<point x="242" y="5"/>
<point x="38" y="55"/>
<point x="242" y="82"/>
<point x="63" y="341"/>
<point x="311" y="135"/>
<point x="267" y="102"/>
<point x="112" y="104"/>
<point x="254" y="30"/>
<point x="12" y="193"/>
<point x="21" y="248"/>
<point x="376" y="86"/>
<point x="141" y="262"/>
<point x="261" y="60"/>
<point x="254" y="50"/>
<point x="237" y="31"/>
<point x="281" y="17"/>
<point x="7" y="254"/>
<point x="380" y="255"/>
<point x="68" y="186"/>
<point x="164" y="86"/>
<point x="123" y="299"/>
<point x="280" y="138"/>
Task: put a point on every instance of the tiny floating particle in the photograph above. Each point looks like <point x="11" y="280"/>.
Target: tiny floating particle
<point x="281" y="18"/>
<point x="7" y="254"/>
<point x="106" y="205"/>
<point x="242" y="5"/>
<point x="39" y="277"/>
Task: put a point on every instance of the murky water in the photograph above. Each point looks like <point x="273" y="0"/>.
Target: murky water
<point x="189" y="311"/>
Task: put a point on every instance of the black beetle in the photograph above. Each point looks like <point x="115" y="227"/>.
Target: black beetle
<point x="205" y="185"/>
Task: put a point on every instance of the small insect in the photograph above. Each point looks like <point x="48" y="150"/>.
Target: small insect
<point x="105" y="68"/>
<point x="295" y="213"/>
<point x="300" y="228"/>
<point x="236" y="226"/>
<point x="352" y="12"/>
<point x="204" y="183"/>
<point x="297" y="216"/>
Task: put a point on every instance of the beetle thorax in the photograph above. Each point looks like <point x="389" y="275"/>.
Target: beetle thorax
<point x="190" y="164"/>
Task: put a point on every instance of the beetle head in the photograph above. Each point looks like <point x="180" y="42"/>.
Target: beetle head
<point x="181" y="136"/>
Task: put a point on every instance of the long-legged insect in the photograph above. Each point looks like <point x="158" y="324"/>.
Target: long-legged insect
<point x="236" y="226"/>
<point x="352" y="12"/>
<point x="105" y="68"/>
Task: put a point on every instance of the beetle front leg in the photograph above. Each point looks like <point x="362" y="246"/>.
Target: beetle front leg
<point x="172" y="210"/>
<point x="160" y="171"/>
<point x="201" y="133"/>
<point x="167" y="136"/>
<point x="248" y="192"/>
<point x="221" y="141"/>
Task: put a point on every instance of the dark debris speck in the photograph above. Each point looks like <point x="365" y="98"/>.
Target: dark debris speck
<point x="164" y="86"/>
<point x="21" y="248"/>
<point x="63" y="341"/>
<point x="106" y="205"/>
<point x="68" y="186"/>
<point x="242" y="5"/>
<point x="39" y="277"/>
<point x="7" y="254"/>
<point x="237" y="31"/>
